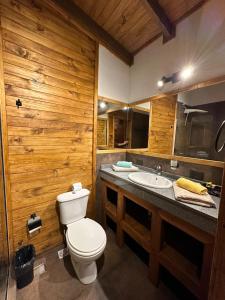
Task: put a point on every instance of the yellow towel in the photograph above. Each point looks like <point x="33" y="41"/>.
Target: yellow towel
<point x="192" y="198"/>
<point x="191" y="186"/>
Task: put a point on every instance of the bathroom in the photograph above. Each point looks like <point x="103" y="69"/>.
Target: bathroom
<point x="112" y="149"/>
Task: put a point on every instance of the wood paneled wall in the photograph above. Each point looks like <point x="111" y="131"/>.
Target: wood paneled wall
<point x="101" y="132"/>
<point x="50" y="66"/>
<point x="111" y="128"/>
<point x="3" y="228"/>
<point x="161" y="125"/>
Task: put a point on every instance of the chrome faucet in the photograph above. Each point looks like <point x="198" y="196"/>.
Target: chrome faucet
<point x="159" y="169"/>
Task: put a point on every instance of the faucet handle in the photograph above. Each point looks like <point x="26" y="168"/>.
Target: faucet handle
<point x="159" y="168"/>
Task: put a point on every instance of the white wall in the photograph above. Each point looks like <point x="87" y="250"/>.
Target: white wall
<point x="206" y="95"/>
<point x="200" y="40"/>
<point x="114" y="76"/>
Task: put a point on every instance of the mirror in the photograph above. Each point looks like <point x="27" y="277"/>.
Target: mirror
<point x="200" y="113"/>
<point x="120" y="125"/>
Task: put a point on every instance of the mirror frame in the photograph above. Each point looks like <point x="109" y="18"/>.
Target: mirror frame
<point x="122" y="104"/>
<point x="199" y="161"/>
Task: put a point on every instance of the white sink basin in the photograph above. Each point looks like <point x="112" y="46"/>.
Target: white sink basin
<point x="150" y="180"/>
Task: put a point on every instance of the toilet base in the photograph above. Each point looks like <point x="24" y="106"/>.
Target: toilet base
<point x="86" y="272"/>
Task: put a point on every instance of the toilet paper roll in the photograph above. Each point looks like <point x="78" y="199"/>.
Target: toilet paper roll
<point x="34" y="230"/>
<point x="77" y="187"/>
<point x="34" y="223"/>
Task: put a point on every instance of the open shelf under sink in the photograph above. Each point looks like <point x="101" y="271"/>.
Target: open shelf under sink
<point x="183" y="269"/>
<point x="138" y="231"/>
<point x="110" y="210"/>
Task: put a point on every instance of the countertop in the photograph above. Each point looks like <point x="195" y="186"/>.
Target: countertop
<point x="201" y="217"/>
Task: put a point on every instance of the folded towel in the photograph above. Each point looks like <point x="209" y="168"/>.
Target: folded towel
<point x="191" y="186"/>
<point x="192" y="198"/>
<point x="124" y="164"/>
<point x="121" y="169"/>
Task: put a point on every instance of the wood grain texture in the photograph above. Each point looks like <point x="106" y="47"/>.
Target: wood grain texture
<point x="191" y="160"/>
<point x="153" y="239"/>
<point x="50" y="65"/>
<point x="92" y="28"/>
<point x="94" y="135"/>
<point x="4" y="138"/>
<point x="101" y="132"/>
<point x="161" y="17"/>
<point x="3" y="221"/>
<point x="161" y="125"/>
<point x="110" y="100"/>
<point x="130" y="23"/>
<point x="114" y="150"/>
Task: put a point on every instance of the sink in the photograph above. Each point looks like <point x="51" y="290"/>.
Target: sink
<point x="150" y="180"/>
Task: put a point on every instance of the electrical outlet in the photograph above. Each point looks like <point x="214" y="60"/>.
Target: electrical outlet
<point x="62" y="253"/>
<point x="174" y="164"/>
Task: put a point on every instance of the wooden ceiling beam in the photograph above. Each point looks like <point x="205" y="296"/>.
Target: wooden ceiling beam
<point x="79" y="18"/>
<point x="168" y="28"/>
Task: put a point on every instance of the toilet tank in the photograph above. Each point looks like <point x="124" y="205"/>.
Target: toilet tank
<point x="73" y="206"/>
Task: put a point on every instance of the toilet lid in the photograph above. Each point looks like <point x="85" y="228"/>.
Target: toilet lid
<point x="86" y="235"/>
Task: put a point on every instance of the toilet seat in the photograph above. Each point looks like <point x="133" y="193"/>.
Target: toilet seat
<point x="85" y="237"/>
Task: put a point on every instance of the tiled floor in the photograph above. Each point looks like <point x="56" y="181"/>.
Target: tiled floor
<point x="122" y="276"/>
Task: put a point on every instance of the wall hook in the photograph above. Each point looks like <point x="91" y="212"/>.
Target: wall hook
<point x="18" y="103"/>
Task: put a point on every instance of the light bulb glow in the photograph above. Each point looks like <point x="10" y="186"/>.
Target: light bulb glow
<point x="186" y="72"/>
<point x="102" y="105"/>
<point x="160" y="83"/>
<point x="125" y="108"/>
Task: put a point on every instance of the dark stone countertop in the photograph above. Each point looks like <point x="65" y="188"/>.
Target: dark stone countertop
<point x="201" y="217"/>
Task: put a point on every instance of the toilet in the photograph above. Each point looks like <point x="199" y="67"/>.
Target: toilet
<point x="86" y="239"/>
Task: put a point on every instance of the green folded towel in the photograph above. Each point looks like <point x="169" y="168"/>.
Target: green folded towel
<point x="124" y="164"/>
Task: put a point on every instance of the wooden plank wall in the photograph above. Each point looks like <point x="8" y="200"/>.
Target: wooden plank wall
<point x="111" y="134"/>
<point x="50" y="66"/>
<point x="101" y="132"/>
<point x="3" y="229"/>
<point x="161" y="125"/>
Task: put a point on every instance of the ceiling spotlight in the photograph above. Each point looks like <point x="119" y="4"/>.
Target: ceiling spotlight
<point x="163" y="80"/>
<point x="186" y="72"/>
<point x="160" y="83"/>
<point x="102" y="105"/>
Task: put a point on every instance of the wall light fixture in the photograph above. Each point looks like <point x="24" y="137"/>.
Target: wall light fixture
<point x="184" y="74"/>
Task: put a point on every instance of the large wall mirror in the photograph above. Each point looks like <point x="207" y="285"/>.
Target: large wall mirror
<point x="122" y="126"/>
<point x="200" y="113"/>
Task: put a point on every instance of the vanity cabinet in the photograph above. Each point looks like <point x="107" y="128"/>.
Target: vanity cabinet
<point x="183" y="249"/>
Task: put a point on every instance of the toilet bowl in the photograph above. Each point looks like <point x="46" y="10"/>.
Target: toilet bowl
<point x="86" y="239"/>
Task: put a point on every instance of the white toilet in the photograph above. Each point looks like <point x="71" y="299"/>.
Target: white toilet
<point x="86" y="239"/>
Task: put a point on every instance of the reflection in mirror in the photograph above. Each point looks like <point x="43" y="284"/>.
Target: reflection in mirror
<point x="200" y="113"/>
<point x="122" y="126"/>
<point x="139" y="125"/>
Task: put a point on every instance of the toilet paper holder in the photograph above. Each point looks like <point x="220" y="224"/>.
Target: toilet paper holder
<point x="34" y="223"/>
